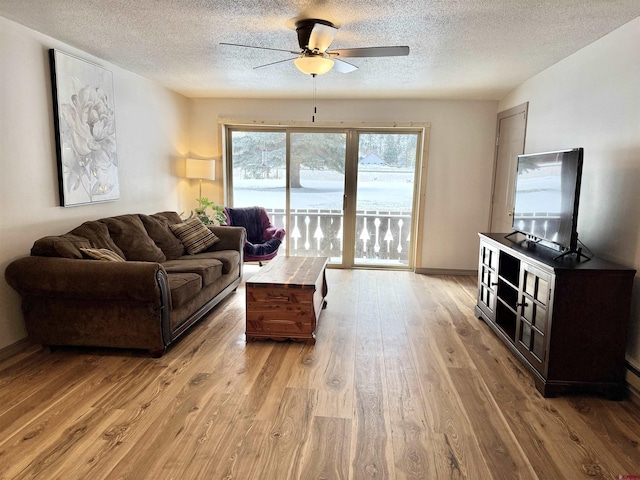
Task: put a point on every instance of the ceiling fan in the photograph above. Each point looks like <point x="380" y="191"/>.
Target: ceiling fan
<point x="314" y="58"/>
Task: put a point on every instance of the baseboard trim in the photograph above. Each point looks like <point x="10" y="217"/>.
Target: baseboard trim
<point x="446" y="271"/>
<point x="633" y="394"/>
<point x="632" y="376"/>
<point x="14" y="348"/>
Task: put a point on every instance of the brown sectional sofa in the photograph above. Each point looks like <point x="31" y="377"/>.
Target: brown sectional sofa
<point x="145" y="302"/>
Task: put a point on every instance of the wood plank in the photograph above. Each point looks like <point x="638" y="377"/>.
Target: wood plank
<point x="368" y="333"/>
<point x="335" y="387"/>
<point x="328" y="450"/>
<point x="166" y="431"/>
<point x="454" y="447"/>
<point x="499" y="447"/>
<point x="580" y="451"/>
<point x="282" y="449"/>
<point x="63" y="442"/>
<point x="209" y="449"/>
<point x="89" y="451"/>
<point x="371" y="442"/>
<point x="263" y="400"/>
<point x="25" y="387"/>
<point x="59" y="417"/>
<point x="40" y="429"/>
<point x="412" y="438"/>
<point x="328" y="367"/>
<point x="454" y="451"/>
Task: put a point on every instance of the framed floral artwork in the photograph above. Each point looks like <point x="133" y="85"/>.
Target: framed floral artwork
<point x="85" y="128"/>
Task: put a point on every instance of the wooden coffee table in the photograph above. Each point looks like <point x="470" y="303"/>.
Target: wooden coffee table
<point x="285" y="298"/>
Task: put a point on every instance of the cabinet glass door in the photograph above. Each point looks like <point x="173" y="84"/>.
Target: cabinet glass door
<point x="533" y="308"/>
<point x="487" y="279"/>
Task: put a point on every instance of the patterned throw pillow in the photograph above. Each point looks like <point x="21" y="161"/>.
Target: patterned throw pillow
<point x="194" y="235"/>
<point x="102" y="254"/>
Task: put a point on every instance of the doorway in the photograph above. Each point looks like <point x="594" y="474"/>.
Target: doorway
<point x="510" y="138"/>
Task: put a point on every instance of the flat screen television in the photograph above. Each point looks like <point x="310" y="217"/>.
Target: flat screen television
<point x="546" y="197"/>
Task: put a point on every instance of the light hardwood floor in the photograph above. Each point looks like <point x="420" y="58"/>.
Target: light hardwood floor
<point x="404" y="382"/>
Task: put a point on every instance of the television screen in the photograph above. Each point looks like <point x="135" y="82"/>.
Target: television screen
<point x="546" y="196"/>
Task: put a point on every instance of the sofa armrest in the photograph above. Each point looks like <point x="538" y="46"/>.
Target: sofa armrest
<point x="86" y="279"/>
<point x="231" y="238"/>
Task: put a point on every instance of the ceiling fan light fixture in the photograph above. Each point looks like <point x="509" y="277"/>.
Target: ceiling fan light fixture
<point x="314" y="65"/>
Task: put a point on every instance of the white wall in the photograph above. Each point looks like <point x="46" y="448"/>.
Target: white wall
<point x="592" y="100"/>
<point x="151" y="134"/>
<point x="460" y="160"/>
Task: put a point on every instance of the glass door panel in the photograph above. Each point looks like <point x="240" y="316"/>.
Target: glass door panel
<point x="258" y="164"/>
<point x="385" y="199"/>
<point x="316" y="194"/>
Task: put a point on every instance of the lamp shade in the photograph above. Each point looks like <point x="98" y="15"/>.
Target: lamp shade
<point x="203" y="169"/>
<point x="314" y="64"/>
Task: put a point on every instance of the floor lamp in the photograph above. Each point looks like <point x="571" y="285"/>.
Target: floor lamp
<point x="201" y="170"/>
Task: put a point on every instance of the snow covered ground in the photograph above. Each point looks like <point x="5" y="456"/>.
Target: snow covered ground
<point x="379" y="188"/>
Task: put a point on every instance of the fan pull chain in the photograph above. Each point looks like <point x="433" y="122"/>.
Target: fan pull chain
<point x="315" y="110"/>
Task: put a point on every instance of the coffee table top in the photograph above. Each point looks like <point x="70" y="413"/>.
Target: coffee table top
<point x="293" y="272"/>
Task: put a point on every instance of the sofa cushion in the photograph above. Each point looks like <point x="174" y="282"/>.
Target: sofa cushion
<point x="98" y="235"/>
<point x="128" y="232"/>
<point x="158" y="229"/>
<point x="209" y="269"/>
<point x="173" y="217"/>
<point x="194" y="235"/>
<point x="102" y="254"/>
<point x="183" y="287"/>
<point x="66" y="246"/>
<point x="230" y="258"/>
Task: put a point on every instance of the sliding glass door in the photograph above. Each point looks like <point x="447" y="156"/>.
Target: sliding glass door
<point x="385" y="193"/>
<point x="347" y="194"/>
<point x="316" y="193"/>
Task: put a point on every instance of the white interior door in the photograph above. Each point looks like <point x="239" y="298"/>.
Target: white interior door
<point x="510" y="143"/>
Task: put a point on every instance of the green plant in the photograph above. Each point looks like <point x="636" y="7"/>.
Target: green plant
<point x="217" y="216"/>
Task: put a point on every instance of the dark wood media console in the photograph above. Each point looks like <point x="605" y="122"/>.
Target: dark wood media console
<point x="566" y="320"/>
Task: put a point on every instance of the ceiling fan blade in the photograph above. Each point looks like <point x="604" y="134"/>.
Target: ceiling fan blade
<point x="398" y="51"/>
<point x="341" y="66"/>
<point x="261" y="48"/>
<point x="321" y="37"/>
<point x="274" y="63"/>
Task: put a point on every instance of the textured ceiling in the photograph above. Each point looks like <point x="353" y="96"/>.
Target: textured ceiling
<point x="460" y="49"/>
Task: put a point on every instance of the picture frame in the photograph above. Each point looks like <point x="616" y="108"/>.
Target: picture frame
<point x="85" y="130"/>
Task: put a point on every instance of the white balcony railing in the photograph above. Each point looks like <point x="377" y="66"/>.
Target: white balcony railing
<point x="382" y="237"/>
